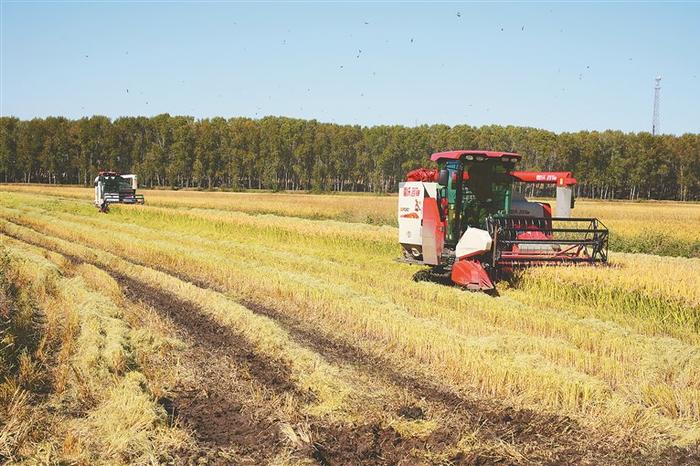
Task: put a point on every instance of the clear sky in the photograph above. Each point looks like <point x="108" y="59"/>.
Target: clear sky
<point x="563" y="67"/>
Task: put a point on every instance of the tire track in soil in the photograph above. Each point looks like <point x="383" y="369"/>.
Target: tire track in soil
<point x="549" y="432"/>
<point x="218" y="417"/>
<point x="371" y="444"/>
<point x="215" y="410"/>
<point x="215" y="417"/>
<point x="217" y="356"/>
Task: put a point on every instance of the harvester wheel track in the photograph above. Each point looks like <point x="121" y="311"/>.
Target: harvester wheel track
<point x="435" y="275"/>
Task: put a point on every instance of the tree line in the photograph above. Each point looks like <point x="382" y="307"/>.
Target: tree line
<point x="282" y="153"/>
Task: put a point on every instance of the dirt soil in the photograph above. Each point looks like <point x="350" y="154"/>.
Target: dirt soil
<point x="218" y="416"/>
<point x="216" y="409"/>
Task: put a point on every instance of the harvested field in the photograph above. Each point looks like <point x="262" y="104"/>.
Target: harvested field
<point x="277" y="329"/>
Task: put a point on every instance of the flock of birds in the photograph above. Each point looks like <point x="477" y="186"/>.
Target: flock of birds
<point x="359" y="54"/>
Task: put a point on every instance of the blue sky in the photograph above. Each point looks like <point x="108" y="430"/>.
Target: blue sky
<point x="563" y="67"/>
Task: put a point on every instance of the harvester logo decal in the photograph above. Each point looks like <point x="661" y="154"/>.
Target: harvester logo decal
<point x="546" y="178"/>
<point x="411" y="191"/>
<point x="416" y="193"/>
<point x="416" y="207"/>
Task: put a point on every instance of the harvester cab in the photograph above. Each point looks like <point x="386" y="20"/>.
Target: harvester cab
<point x="111" y="188"/>
<point x="466" y="220"/>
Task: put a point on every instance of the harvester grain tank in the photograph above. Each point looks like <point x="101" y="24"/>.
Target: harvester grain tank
<point x="113" y="188"/>
<point x="466" y="220"/>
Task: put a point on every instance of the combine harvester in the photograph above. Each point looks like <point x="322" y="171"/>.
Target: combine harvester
<point x="113" y="188"/>
<point x="465" y="220"/>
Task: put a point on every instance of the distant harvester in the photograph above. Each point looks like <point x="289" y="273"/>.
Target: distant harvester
<point x="111" y="188"/>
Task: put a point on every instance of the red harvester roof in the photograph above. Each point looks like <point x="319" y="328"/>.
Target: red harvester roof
<point x="455" y="154"/>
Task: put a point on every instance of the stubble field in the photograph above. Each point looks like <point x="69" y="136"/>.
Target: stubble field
<point x="277" y="329"/>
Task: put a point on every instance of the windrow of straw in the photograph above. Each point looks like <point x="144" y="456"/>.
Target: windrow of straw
<point x="77" y="396"/>
<point x="553" y="358"/>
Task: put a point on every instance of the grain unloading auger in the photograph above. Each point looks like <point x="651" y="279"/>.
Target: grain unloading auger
<point x="465" y="220"/>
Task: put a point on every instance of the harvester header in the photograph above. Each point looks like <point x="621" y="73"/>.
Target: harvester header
<point x="466" y="220"/>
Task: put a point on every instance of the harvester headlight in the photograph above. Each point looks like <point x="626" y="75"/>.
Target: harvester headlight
<point x="469" y="157"/>
<point x="480" y="158"/>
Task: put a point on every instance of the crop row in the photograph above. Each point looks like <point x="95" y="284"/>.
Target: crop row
<point x="326" y="274"/>
<point x="79" y="394"/>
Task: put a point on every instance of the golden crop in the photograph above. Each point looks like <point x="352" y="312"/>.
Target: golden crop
<point x="615" y="348"/>
<point x="99" y="408"/>
<point x="653" y="227"/>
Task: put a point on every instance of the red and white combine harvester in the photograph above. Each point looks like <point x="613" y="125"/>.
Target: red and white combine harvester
<point x="466" y="220"/>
